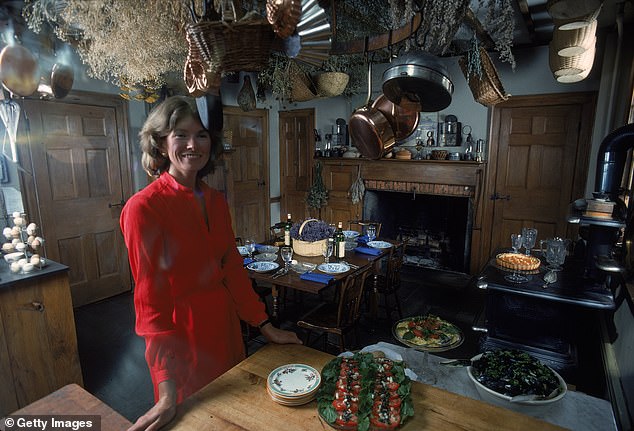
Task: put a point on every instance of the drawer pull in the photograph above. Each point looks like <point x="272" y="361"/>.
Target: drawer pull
<point x="37" y="306"/>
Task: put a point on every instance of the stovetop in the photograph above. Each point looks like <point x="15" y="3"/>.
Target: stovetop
<point x="571" y="286"/>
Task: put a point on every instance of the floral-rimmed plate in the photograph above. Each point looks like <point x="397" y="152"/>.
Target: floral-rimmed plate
<point x="267" y="248"/>
<point x="333" y="268"/>
<point x="379" y="244"/>
<point x="263" y="266"/>
<point x="293" y="380"/>
<point x="351" y="234"/>
<point x="242" y="250"/>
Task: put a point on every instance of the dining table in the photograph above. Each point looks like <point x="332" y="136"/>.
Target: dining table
<point x="238" y="400"/>
<point x="292" y="279"/>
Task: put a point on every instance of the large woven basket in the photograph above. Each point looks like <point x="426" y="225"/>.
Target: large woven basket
<point x="486" y="89"/>
<point x="574" y="42"/>
<point x="308" y="248"/>
<point x="233" y="46"/>
<point x="331" y="84"/>
<point x="574" y="65"/>
<point x="302" y="87"/>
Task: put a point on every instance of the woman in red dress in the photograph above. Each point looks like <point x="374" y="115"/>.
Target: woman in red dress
<point x="191" y="289"/>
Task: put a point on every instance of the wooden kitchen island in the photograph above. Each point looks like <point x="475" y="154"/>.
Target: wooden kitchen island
<point x="238" y="400"/>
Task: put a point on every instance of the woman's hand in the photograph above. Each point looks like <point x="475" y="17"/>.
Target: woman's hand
<point x="279" y="336"/>
<point x="162" y="412"/>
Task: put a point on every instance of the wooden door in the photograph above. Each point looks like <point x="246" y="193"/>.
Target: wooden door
<point x="338" y="178"/>
<point x="297" y="143"/>
<point x="81" y="178"/>
<point x="538" y="166"/>
<point x="250" y="172"/>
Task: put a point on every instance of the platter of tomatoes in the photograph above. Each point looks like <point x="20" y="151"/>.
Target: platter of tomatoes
<point x="366" y="391"/>
<point x="428" y="333"/>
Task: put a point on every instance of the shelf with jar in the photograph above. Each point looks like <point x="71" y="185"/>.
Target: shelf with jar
<point x="23" y="248"/>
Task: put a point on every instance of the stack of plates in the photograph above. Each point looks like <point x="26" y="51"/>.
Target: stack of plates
<point x="293" y="384"/>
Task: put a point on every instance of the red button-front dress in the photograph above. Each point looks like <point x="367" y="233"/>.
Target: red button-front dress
<point x="191" y="289"/>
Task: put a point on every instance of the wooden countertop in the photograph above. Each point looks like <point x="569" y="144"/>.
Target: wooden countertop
<point x="74" y="400"/>
<point x="238" y="400"/>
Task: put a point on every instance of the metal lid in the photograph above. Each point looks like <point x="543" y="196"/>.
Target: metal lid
<point x="418" y="82"/>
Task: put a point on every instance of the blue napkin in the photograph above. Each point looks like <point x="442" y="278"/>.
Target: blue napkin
<point x="259" y="247"/>
<point x="368" y="250"/>
<point x="318" y="278"/>
<point x="362" y="238"/>
<point x="247" y="260"/>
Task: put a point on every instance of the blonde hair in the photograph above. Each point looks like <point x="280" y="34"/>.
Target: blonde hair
<point x="159" y="123"/>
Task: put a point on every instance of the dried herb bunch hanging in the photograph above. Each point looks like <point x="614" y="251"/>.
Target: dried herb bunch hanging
<point x="317" y="195"/>
<point x="124" y="41"/>
<point x="474" y="61"/>
<point x="441" y="20"/>
<point x="500" y="24"/>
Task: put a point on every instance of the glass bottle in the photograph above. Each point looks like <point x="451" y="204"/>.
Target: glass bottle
<point x="287" y="230"/>
<point x="340" y="242"/>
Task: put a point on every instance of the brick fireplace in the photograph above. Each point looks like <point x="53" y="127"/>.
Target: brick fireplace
<point x="431" y="204"/>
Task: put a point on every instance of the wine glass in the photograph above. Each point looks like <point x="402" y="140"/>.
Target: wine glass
<point x="371" y="232"/>
<point x="287" y="255"/>
<point x="250" y="245"/>
<point x="327" y="250"/>
<point x="516" y="242"/>
<point x="529" y="236"/>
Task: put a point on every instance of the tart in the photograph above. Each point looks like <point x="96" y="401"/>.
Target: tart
<point x="517" y="261"/>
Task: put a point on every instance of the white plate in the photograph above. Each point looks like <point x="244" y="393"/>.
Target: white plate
<point x="263" y="266"/>
<point x="379" y="244"/>
<point x="293" y="380"/>
<point x="242" y="250"/>
<point x="333" y="268"/>
<point x="351" y="234"/>
<point x="265" y="257"/>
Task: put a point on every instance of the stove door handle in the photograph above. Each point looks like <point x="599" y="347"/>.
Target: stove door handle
<point x="479" y="329"/>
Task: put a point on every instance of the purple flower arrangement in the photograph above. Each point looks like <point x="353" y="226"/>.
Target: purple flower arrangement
<point x="314" y="230"/>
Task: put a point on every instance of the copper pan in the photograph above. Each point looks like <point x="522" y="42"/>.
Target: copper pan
<point x="19" y="70"/>
<point x="403" y="122"/>
<point x="370" y="129"/>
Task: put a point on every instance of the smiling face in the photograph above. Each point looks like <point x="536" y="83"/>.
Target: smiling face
<point x="188" y="147"/>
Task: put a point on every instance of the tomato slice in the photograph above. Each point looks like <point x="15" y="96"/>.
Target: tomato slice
<point x="393" y="386"/>
<point x="339" y="405"/>
<point x="347" y="422"/>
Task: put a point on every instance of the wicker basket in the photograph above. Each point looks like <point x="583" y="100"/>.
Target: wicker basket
<point x="302" y="87"/>
<point x="487" y="89"/>
<point x="331" y="84"/>
<point x="307" y="248"/>
<point x="574" y="42"/>
<point x="234" y="46"/>
<point x="570" y="65"/>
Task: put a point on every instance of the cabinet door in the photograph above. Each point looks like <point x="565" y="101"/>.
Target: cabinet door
<point x="40" y="337"/>
<point x="338" y="179"/>
<point x="296" y="156"/>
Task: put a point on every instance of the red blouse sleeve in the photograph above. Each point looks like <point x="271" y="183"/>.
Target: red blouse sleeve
<point x="153" y="300"/>
<point x="247" y="303"/>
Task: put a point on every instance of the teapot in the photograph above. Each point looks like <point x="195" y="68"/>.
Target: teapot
<point x="556" y="251"/>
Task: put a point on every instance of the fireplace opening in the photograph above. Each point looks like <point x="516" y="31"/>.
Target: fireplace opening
<point x="437" y="228"/>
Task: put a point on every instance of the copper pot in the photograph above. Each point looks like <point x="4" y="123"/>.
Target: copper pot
<point x="403" y="122"/>
<point x="369" y="128"/>
<point x="19" y="70"/>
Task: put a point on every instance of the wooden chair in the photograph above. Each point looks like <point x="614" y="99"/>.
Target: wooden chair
<point x="361" y="225"/>
<point x="385" y="285"/>
<point x="276" y="232"/>
<point x="341" y="316"/>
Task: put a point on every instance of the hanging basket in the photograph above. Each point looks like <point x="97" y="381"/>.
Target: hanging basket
<point x="302" y="87"/>
<point x="331" y="84"/>
<point x="568" y="43"/>
<point x="570" y="65"/>
<point x="487" y="89"/>
<point x="243" y="45"/>
<point x="308" y="248"/>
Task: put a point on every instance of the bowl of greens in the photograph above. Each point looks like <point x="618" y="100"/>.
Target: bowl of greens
<point x="509" y="376"/>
